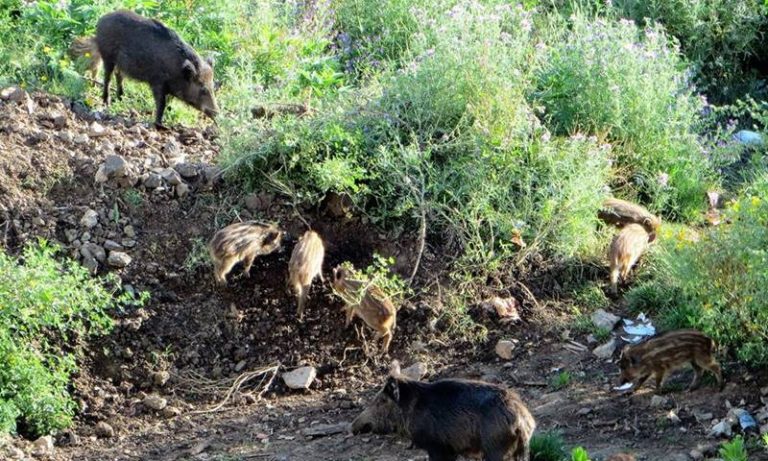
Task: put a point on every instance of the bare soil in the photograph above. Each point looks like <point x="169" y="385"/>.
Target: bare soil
<point x="206" y="336"/>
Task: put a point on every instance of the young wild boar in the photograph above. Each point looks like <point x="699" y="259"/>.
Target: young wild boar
<point x="453" y="417"/>
<point x="146" y="50"/>
<point x="241" y="242"/>
<point x="306" y="263"/>
<point x="373" y="306"/>
<point x="620" y="213"/>
<point x="626" y="248"/>
<point x="668" y="351"/>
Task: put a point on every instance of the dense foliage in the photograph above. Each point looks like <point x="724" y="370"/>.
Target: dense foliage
<point x="47" y="308"/>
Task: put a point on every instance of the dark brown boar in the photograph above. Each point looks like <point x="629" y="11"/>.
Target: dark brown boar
<point x="146" y="50"/>
<point x="668" y="351"/>
<point x="306" y="263"/>
<point x="369" y="303"/>
<point x="453" y="417"/>
<point x="626" y="248"/>
<point x="241" y="242"/>
<point x="620" y="213"/>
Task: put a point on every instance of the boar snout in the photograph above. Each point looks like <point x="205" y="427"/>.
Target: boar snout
<point x="361" y="425"/>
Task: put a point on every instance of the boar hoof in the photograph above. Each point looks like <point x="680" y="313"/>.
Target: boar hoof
<point x="161" y="127"/>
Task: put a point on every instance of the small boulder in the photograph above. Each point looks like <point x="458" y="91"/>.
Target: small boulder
<point x="606" y="350"/>
<point x="171" y="176"/>
<point x="182" y="190"/>
<point x="118" y="259"/>
<point x="115" y="166"/>
<point x="300" y="378"/>
<point x="90" y="219"/>
<point x="603" y="319"/>
<point x="658" y="401"/>
<point x="186" y="170"/>
<point x="111" y="245"/>
<point x="504" y="349"/>
<point x="92" y="249"/>
<point x="42" y="446"/>
<point x="170" y="412"/>
<point x="155" y="402"/>
<point x="153" y="181"/>
<point x="81" y="138"/>
<point x="96" y="130"/>
<point x="416" y="371"/>
<point x="721" y="429"/>
<point x="129" y="231"/>
<point x="12" y="94"/>
<point x="104" y="430"/>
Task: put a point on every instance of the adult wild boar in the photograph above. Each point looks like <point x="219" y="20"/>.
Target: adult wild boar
<point x="452" y="417"/>
<point x="146" y="50"/>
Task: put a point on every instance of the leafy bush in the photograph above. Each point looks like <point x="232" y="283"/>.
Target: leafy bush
<point x="48" y="309"/>
<point x="548" y="446"/>
<point x="734" y="450"/>
<point x="718" y="284"/>
<point x="579" y="454"/>
<point x="720" y="37"/>
<point x="629" y="86"/>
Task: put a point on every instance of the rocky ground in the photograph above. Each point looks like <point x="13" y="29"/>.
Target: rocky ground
<point x="196" y="373"/>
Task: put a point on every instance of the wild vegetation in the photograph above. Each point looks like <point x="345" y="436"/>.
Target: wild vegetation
<point x="491" y="130"/>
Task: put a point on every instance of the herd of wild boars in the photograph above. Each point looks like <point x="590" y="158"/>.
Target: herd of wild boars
<point x="447" y="418"/>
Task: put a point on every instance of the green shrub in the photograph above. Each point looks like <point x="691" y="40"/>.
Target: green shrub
<point x="734" y="450"/>
<point x="48" y="309"/>
<point x="579" y="454"/>
<point x="719" y="37"/>
<point x="548" y="446"/>
<point x="616" y="81"/>
<point x="718" y="284"/>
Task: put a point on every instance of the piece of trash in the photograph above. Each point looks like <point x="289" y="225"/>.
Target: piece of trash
<point x="749" y="138"/>
<point x="623" y="387"/>
<point x="638" y="329"/>
<point x="714" y="199"/>
<point x="746" y="421"/>
<point x="505" y="308"/>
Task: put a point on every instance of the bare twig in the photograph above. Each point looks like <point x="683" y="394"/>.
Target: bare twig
<point x="208" y="386"/>
<point x="422" y="241"/>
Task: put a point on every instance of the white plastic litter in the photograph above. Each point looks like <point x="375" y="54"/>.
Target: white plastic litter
<point x="623" y="387"/>
<point x="638" y="329"/>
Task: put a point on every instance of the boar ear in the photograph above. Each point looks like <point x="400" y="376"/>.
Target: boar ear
<point x="394" y="369"/>
<point x="392" y="389"/>
<point x="216" y="85"/>
<point x="209" y="60"/>
<point x="188" y="69"/>
<point x="271" y="237"/>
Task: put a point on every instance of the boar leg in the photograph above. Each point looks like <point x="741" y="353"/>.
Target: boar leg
<point x="714" y="367"/>
<point x="119" y="82"/>
<point x="301" y="295"/>
<point x="660" y="375"/>
<point x="387" y="335"/>
<point x="223" y="268"/>
<point x="697" y="372"/>
<point x="350" y="315"/>
<point x="639" y="382"/>
<point x="109" y="67"/>
<point x="160" y="96"/>
<point x="248" y="263"/>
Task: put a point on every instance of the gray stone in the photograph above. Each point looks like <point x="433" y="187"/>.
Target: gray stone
<point x="92" y="249"/>
<point x="96" y="130"/>
<point x="504" y="349"/>
<point x="42" y="446"/>
<point x="171" y="176"/>
<point x="129" y="231"/>
<point x="90" y="219"/>
<point x="182" y="190"/>
<point x="603" y="319"/>
<point x="104" y="430"/>
<point x="81" y="138"/>
<point x="606" y="350"/>
<point x="118" y="259"/>
<point x="416" y="371"/>
<point x="153" y="181"/>
<point x="721" y="429"/>
<point x="300" y="378"/>
<point x="12" y="93"/>
<point x="170" y="412"/>
<point x="658" y="401"/>
<point x="115" y="166"/>
<point x="70" y="234"/>
<point x="696" y="455"/>
<point x="186" y="170"/>
<point x="111" y="245"/>
<point x="155" y="402"/>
